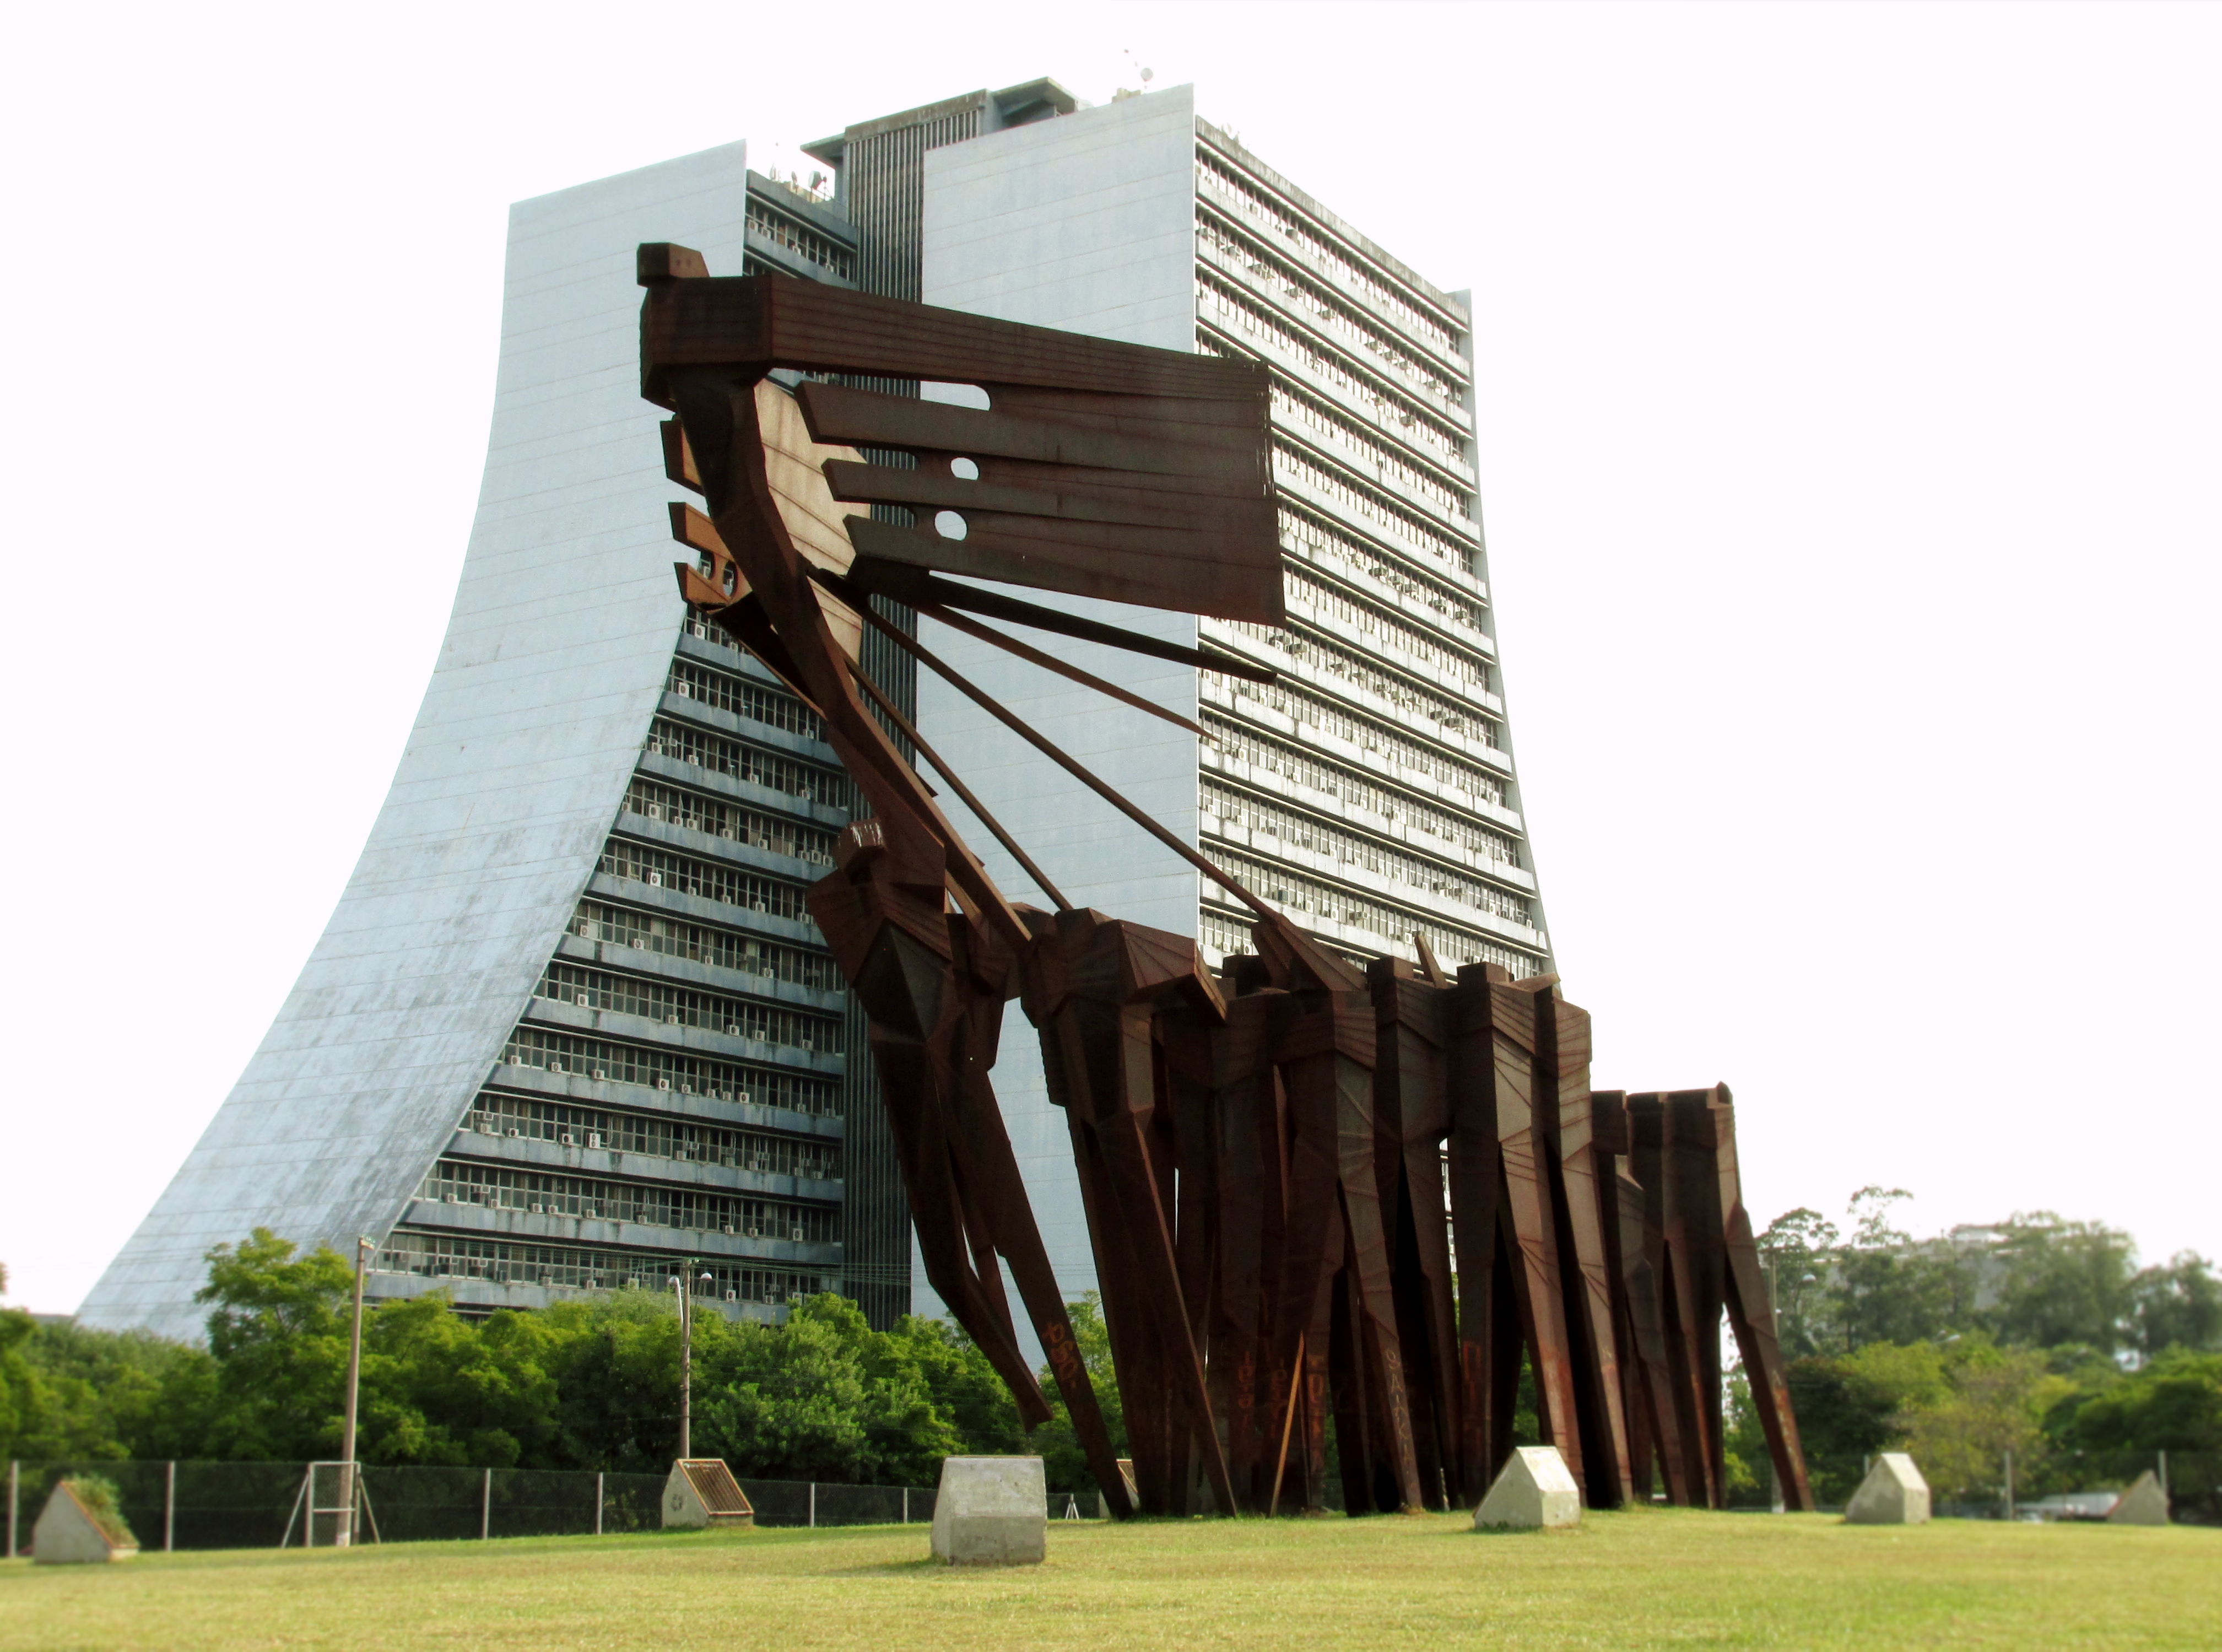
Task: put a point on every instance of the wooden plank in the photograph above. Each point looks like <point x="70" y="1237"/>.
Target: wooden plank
<point x="933" y="486"/>
<point x="1232" y="449"/>
<point x="757" y="323"/>
<point x="1183" y="571"/>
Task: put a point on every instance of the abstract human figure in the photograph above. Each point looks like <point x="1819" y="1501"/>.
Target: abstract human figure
<point x="1314" y="1187"/>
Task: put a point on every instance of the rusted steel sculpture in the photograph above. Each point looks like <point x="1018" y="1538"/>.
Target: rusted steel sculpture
<point x="1313" y="1189"/>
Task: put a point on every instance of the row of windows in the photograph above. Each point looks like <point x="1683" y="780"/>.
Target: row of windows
<point x="1211" y="171"/>
<point x="698" y="812"/>
<point x="1356" y="668"/>
<point x="1448" y="664"/>
<point x="1376" y="507"/>
<point x="759" y="704"/>
<point x="1322" y="539"/>
<point x="1221" y="304"/>
<point x="740" y="1018"/>
<point x="688" y="1074"/>
<point x="1425" y="880"/>
<point x="1239" y="744"/>
<point x="1300" y="896"/>
<point x="597" y="920"/>
<point x="661" y="869"/>
<point x="1305" y="709"/>
<point x="783" y="231"/>
<point x="497" y="1187"/>
<point x="567" y="1124"/>
<point x="1291" y="407"/>
<point x="738" y="760"/>
<point x="1293" y="288"/>
<point x="571" y="1267"/>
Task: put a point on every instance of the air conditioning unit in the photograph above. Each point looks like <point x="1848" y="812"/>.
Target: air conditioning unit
<point x="539" y="1210"/>
<point x="593" y="1137"/>
<point x="732" y="1296"/>
<point x="447" y="1198"/>
<point x="512" y="1131"/>
<point x="756" y="1233"/>
<point x="567" y="1140"/>
<point x="640" y="943"/>
<point x="732" y="1029"/>
<point x="671" y="1019"/>
<point x="655" y="880"/>
<point x="583" y="1004"/>
<point x="663" y="1083"/>
<point x="727" y="1230"/>
<point x="796" y="1235"/>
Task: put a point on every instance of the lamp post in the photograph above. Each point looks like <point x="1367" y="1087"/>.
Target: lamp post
<point x="344" y="1535"/>
<point x="682" y="1287"/>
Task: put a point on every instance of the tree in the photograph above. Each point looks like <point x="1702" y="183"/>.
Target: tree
<point x="278" y="1335"/>
<point x="1798" y="1247"/>
<point x="2177" y="1304"/>
<point x="1848" y="1406"/>
<point x="1885" y="1288"/>
<point x="1994" y="1402"/>
<point x="2060" y="1282"/>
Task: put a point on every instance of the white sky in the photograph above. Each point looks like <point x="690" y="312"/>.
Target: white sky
<point x="1848" y="448"/>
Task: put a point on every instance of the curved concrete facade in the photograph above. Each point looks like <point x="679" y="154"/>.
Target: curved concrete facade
<point x="553" y="667"/>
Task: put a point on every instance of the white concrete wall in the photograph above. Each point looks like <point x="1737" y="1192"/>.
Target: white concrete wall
<point x="557" y="649"/>
<point x="1085" y="223"/>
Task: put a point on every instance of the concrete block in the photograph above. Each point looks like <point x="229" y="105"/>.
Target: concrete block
<point x="1534" y="1490"/>
<point x="1892" y="1494"/>
<point x="991" y="1512"/>
<point x="70" y="1532"/>
<point x="701" y="1491"/>
<point x="2144" y="1505"/>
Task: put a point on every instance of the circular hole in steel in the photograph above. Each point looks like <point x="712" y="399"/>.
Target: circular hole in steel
<point x="964" y="470"/>
<point x="948" y="525"/>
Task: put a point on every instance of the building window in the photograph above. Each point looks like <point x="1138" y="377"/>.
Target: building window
<point x="657" y="1136"/>
<point x="674" y="1006"/>
<point x="679" y="1071"/>
<point x="615" y="926"/>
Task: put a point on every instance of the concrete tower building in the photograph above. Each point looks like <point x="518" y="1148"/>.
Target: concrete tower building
<point x="1371" y="794"/>
<point x="570" y="1025"/>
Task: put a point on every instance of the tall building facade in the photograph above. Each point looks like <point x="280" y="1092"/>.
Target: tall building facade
<point x="1371" y="793"/>
<point x="570" y="1026"/>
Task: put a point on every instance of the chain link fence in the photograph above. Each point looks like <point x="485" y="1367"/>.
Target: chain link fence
<point x="261" y="1506"/>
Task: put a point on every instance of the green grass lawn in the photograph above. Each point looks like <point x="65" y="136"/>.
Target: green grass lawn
<point x="1649" y="1578"/>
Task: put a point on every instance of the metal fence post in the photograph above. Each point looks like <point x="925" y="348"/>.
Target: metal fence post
<point x="813" y="1505"/>
<point x="12" y="1467"/>
<point x="597" y="1505"/>
<point x="169" y="1505"/>
<point x="906" y="1519"/>
<point x="2163" y="1473"/>
<point x="486" y="1505"/>
<point x="2010" y="1506"/>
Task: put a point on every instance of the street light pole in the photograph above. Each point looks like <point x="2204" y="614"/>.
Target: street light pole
<point x="345" y="1533"/>
<point x="679" y="1283"/>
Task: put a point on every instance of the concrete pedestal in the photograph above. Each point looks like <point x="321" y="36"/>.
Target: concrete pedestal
<point x="1892" y="1494"/>
<point x="2144" y="1505"/>
<point x="1534" y="1490"/>
<point x="991" y="1512"/>
<point x="68" y="1534"/>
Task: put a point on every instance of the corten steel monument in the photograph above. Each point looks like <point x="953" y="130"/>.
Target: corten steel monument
<point x="1311" y="1189"/>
